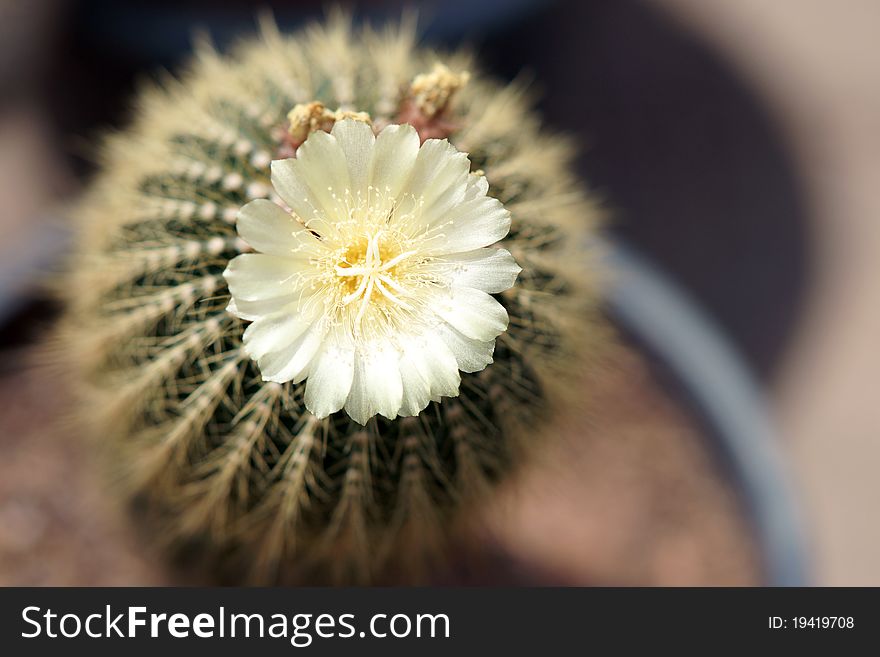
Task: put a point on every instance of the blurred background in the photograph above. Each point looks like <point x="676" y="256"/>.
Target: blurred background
<point x="734" y="143"/>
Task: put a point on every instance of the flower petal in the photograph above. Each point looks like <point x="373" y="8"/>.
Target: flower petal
<point x="268" y="228"/>
<point x="489" y="270"/>
<point x="394" y="155"/>
<point x="377" y="386"/>
<point x="330" y="379"/>
<point x="416" y="391"/>
<point x="254" y="276"/>
<point x="292" y="362"/>
<point x="273" y="333"/>
<point x="429" y="371"/>
<point x="320" y="164"/>
<point x="473" y="224"/>
<point x="315" y="183"/>
<point x="356" y="140"/>
<point x="438" y="181"/>
<point x="254" y="310"/>
<point x="294" y="191"/>
<point x="471" y="355"/>
<point x="473" y="313"/>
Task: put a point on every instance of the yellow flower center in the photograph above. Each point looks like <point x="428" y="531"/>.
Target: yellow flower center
<point x="368" y="273"/>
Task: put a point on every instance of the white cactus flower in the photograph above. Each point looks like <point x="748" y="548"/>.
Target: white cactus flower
<point x="375" y="286"/>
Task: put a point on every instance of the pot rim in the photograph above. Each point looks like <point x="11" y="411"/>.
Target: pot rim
<point x="723" y="392"/>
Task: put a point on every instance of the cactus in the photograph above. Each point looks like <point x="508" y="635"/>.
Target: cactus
<point x="231" y="465"/>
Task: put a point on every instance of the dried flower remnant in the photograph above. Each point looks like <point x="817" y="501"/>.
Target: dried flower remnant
<point x="431" y="92"/>
<point x="427" y="101"/>
<point x="305" y="118"/>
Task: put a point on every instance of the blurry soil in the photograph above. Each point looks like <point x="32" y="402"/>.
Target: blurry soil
<point x="58" y="527"/>
<point x="628" y="497"/>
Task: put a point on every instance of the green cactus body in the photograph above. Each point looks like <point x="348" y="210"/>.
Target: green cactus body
<point x="237" y="465"/>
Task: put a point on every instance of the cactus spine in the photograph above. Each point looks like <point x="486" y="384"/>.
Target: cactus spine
<point x="236" y="465"/>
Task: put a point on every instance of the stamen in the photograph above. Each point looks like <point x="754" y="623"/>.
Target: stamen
<point x="392" y="283"/>
<point x="364" y="303"/>
<point x="354" y="296"/>
<point x="390" y="296"/>
<point x="397" y="260"/>
<point x="351" y="271"/>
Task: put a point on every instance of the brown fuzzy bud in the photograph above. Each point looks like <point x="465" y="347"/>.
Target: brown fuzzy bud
<point x="431" y="92"/>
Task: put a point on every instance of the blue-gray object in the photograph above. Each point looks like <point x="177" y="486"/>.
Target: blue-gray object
<point x="721" y="388"/>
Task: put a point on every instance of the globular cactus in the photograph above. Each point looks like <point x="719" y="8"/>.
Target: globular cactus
<point x="236" y="465"/>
